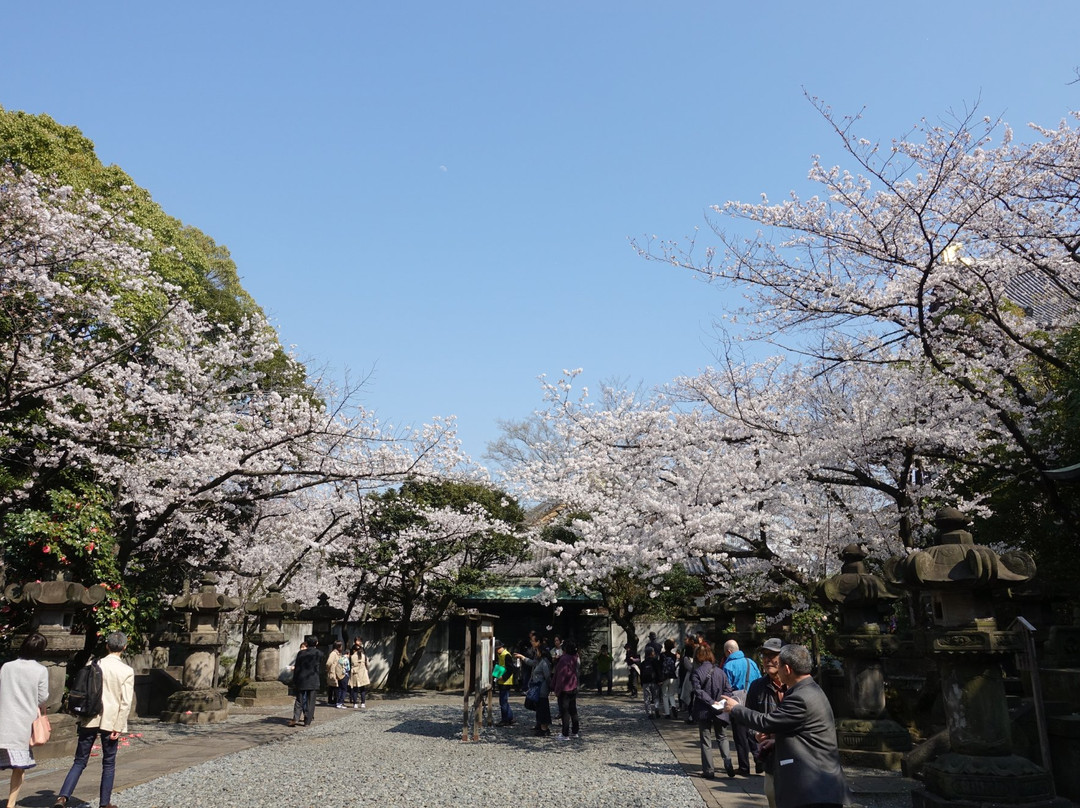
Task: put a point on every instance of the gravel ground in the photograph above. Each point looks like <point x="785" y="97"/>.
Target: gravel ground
<point x="402" y="753"/>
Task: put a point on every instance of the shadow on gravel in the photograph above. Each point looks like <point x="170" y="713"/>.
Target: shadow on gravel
<point x="669" y="769"/>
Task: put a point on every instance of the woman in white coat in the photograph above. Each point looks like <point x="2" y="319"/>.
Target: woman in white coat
<point x="24" y="692"/>
<point x="358" y="674"/>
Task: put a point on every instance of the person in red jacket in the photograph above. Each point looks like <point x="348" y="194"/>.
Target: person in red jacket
<point x="566" y="688"/>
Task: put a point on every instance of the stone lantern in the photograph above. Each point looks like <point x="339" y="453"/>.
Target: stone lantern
<point x="268" y="690"/>
<point x="960" y="578"/>
<point x="199" y="701"/>
<point x="866" y="735"/>
<point x="322" y="616"/>
<point x="55" y="605"/>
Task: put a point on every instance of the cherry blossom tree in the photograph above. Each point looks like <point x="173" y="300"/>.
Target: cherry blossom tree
<point x="110" y="377"/>
<point x="947" y="267"/>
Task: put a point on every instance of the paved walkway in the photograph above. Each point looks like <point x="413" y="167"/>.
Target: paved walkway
<point x="153" y="749"/>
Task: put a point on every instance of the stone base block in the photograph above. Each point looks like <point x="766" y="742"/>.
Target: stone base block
<point x="886" y="761"/>
<point x="988" y="780"/>
<point x="196" y="707"/>
<point x="264" y="694"/>
<point x="921" y="798"/>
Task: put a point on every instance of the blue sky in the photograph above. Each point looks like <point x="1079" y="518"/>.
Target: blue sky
<point x="439" y="196"/>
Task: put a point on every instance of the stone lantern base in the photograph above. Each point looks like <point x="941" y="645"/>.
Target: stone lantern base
<point x="959" y="781"/>
<point x="207" y="706"/>
<point x="876" y="744"/>
<point x="264" y="694"/>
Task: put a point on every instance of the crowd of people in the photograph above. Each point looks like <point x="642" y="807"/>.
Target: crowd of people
<point x="347" y="677"/>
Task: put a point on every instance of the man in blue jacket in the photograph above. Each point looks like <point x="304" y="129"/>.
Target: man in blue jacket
<point x="740" y="671"/>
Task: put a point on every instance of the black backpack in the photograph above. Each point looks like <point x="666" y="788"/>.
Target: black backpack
<point x="84" y="695"/>
<point x="668" y="666"/>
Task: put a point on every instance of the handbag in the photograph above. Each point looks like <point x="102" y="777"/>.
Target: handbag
<point x="532" y="696"/>
<point x="40" y="730"/>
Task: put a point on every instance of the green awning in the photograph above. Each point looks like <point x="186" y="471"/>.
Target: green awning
<point x="516" y="594"/>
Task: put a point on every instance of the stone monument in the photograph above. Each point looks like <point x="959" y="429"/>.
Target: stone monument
<point x="865" y="733"/>
<point x="960" y="578"/>
<point x="267" y="690"/>
<point x="199" y="701"/>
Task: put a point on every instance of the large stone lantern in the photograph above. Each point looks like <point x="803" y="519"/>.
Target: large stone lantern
<point x="268" y="690"/>
<point x="56" y="604"/>
<point x="866" y="735"/>
<point x="960" y="578"/>
<point x="199" y="701"/>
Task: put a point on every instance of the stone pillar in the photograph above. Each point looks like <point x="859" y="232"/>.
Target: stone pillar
<point x="56" y="604"/>
<point x="865" y="733"/>
<point x="961" y="577"/>
<point x="754" y="619"/>
<point x="267" y="690"/>
<point x="199" y="701"/>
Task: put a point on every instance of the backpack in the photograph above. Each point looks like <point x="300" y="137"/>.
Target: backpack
<point x="668" y="666"/>
<point x="84" y="695"/>
<point x="346" y="665"/>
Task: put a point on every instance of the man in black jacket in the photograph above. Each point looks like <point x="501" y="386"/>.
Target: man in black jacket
<point x="306" y="680"/>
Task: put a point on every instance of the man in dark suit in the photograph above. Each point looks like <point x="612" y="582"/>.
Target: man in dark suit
<point x="306" y="680"/>
<point x="807" y="760"/>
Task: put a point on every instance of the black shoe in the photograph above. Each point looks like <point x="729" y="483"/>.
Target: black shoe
<point x="709" y="775"/>
<point x="729" y="768"/>
<point x="744" y="772"/>
<point x="759" y="769"/>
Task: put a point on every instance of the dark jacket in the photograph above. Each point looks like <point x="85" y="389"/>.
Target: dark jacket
<point x="762" y="697"/>
<point x="306" y="669"/>
<point x="709" y="683"/>
<point x="651" y="673"/>
<point x="807" y="765"/>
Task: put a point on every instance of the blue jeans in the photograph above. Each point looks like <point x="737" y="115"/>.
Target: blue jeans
<point x="504" y="704"/>
<point x="82" y="756"/>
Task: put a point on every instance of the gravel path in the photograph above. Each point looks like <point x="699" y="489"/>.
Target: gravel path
<point x="405" y="753"/>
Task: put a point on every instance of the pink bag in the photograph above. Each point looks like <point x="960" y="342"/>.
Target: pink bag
<point x="40" y="730"/>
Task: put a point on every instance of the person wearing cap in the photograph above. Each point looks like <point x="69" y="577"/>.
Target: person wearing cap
<point x="505" y="683"/>
<point x="808" y="771"/>
<point x="655" y="644"/>
<point x="763" y="695"/>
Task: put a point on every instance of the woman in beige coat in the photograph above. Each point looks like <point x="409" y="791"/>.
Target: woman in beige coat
<point x="358" y="674"/>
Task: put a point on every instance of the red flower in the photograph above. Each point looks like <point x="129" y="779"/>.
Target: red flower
<point x="114" y="604"/>
<point x="46" y="549"/>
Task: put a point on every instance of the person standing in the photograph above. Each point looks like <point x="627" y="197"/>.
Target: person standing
<point x="633" y="664"/>
<point x="541" y="680"/>
<point x="740" y="671"/>
<point x="24" y="692"/>
<point x="686" y="687"/>
<point x="763" y="695"/>
<point x="117" y="695"/>
<point x="505" y="683"/>
<point x="359" y="677"/>
<point x="710" y="685"/>
<point x="651" y="676"/>
<point x="306" y="681"/>
<point x="808" y="771"/>
<point x="566" y="689"/>
<point x="603" y="669"/>
<point x="669" y="679"/>
<point x="655" y="644"/>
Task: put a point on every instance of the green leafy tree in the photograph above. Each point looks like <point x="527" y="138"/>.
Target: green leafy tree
<point x="424" y="545"/>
